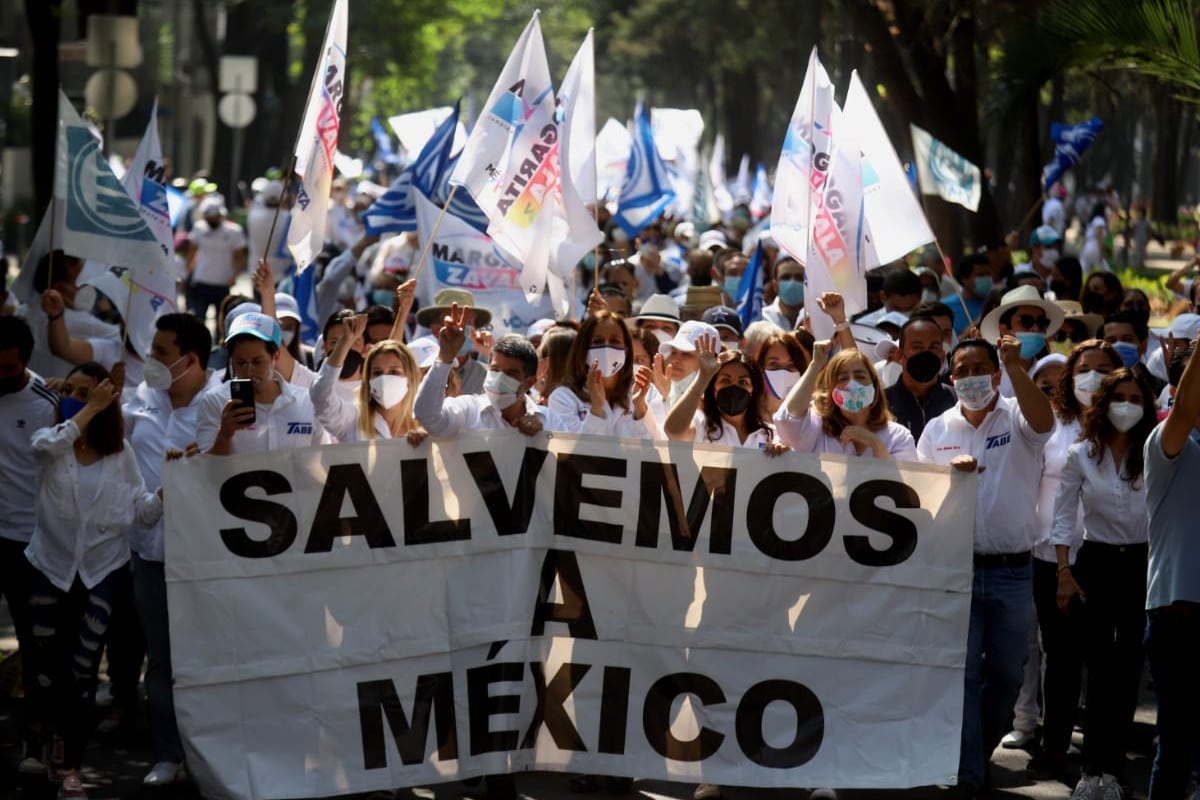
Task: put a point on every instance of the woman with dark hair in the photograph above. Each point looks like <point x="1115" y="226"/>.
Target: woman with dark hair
<point x="1102" y="293"/>
<point x="1066" y="278"/>
<point x="1105" y="590"/>
<point x="89" y="496"/>
<point x="729" y="393"/>
<point x="553" y="361"/>
<point x="781" y="359"/>
<point x="601" y="395"/>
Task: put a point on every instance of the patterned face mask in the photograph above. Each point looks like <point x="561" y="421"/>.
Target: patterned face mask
<point x="854" y="397"/>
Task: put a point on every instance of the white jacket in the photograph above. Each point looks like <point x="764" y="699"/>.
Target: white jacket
<point x="79" y="539"/>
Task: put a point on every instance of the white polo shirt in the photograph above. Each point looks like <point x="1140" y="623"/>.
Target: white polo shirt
<point x="287" y="423"/>
<point x="153" y="426"/>
<point x="1010" y="453"/>
<point x="22" y="413"/>
<point x="729" y="436"/>
<point x="214" y="251"/>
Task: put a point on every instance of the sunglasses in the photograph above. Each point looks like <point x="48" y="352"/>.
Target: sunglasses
<point x="1028" y="321"/>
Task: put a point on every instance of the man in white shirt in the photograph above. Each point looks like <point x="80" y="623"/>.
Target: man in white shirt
<point x="160" y="416"/>
<point x="260" y="218"/>
<point x="282" y="416"/>
<point x="787" y="309"/>
<point x="218" y="255"/>
<point x="505" y="401"/>
<point x="1001" y="438"/>
<point x="25" y="406"/>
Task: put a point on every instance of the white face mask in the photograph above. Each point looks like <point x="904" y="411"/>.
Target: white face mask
<point x="1086" y="384"/>
<point x="781" y="381"/>
<point x="611" y="359"/>
<point x="974" y="392"/>
<point x="1049" y="257"/>
<point x="389" y="390"/>
<point x="929" y="296"/>
<point x="288" y="336"/>
<point x="501" y="389"/>
<point x="1124" y="416"/>
<point x="157" y="375"/>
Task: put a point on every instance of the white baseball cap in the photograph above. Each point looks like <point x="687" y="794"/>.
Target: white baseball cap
<point x="260" y="326"/>
<point x="685" y="339"/>
<point x="424" y="350"/>
<point x="286" y="306"/>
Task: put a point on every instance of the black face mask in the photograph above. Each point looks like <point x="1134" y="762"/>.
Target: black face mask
<point x="350" y="366"/>
<point x="732" y="400"/>
<point x="923" y="367"/>
<point x="11" y="385"/>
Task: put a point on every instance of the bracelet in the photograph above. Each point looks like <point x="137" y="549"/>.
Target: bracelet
<point x="59" y="315"/>
<point x="841" y="326"/>
<point x="1063" y="569"/>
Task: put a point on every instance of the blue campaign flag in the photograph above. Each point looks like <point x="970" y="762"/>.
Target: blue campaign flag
<point x="750" y="288"/>
<point x="1070" y="142"/>
<point x="646" y="191"/>
<point x="383" y="142"/>
<point x="433" y="165"/>
<point x="462" y="205"/>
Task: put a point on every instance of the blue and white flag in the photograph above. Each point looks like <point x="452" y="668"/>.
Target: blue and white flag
<point x="750" y="288"/>
<point x="433" y="165"/>
<point x="760" y="193"/>
<point x="1070" y="142"/>
<point x="383" y="142"/>
<point x="646" y="191"/>
<point x="146" y="182"/>
<point x="395" y="211"/>
<point x="943" y="172"/>
<point x="100" y="221"/>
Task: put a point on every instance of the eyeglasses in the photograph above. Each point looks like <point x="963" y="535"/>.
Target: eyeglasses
<point x="1028" y="321"/>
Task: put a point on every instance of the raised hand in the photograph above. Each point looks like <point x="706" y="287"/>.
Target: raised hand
<point x="483" y="341"/>
<point x="595" y="384"/>
<point x="658" y="375"/>
<point x="453" y="333"/>
<point x="706" y="351"/>
<point x="596" y="303"/>
<point x="833" y="305"/>
<point x="102" y="395"/>
<point x="821" y="352"/>
<point x="1010" y="351"/>
<point x="53" y="303"/>
<point x="642" y="380"/>
<point x="264" y="278"/>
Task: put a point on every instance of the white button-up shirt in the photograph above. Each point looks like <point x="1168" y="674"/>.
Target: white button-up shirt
<point x="153" y="426"/>
<point x="448" y="416"/>
<point x="577" y="417"/>
<point x="288" y="422"/>
<point x="1054" y="458"/>
<point x="729" y="435"/>
<point x="1009" y="454"/>
<point x="1114" y="512"/>
<point x="806" y="434"/>
<point x="85" y="536"/>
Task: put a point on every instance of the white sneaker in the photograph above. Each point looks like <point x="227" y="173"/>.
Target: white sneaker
<point x="1088" y="788"/>
<point x="31" y="766"/>
<point x="163" y="773"/>
<point x="1109" y="789"/>
<point x="1015" y="740"/>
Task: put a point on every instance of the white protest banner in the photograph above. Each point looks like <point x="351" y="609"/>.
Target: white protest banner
<point x="463" y="258"/>
<point x="943" y="172"/>
<point x="316" y="143"/>
<point x="362" y="617"/>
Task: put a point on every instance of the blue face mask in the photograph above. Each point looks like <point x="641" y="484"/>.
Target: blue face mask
<point x="791" y="293"/>
<point x="70" y="407"/>
<point x="466" y="345"/>
<point x="1128" y="353"/>
<point x="1032" y="343"/>
<point x="730" y="285"/>
<point x="983" y="285"/>
<point x="382" y="297"/>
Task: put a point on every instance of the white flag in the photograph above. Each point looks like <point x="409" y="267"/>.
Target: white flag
<point x="510" y="163"/>
<point x="943" y="172"/>
<point x="741" y="184"/>
<point x="895" y="223"/>
<point x="816" y="210"/>
<point x="146" y="182"/>
<point x="99" y="220"/>
<point x="613" y="145"/>
<point x="716" y="174"/>
<point x="144" y="296"/>
<point x="316" y="144"/>
<point x="575" y="230"/>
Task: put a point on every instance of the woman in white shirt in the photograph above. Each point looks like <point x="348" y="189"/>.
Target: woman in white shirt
<point x="90" y="493"/>
<point x="1106" y="588"/>
<point x="383" y="403"/>
<point x="602" y="395"/>
<point x="1061" y="637"/>
<point x="838" y="406"/>
<point x="724" y="404"/>
<point x="781" y="359"/>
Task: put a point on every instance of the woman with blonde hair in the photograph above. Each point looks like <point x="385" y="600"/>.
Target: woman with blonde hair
<point x="838" y="406"/>
<point x="383" y="407"/>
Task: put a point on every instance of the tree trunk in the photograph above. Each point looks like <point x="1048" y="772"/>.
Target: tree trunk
<point x="44" y="31"/>
<point x="740" y="96"/>
<point x="1031" y="170"/>
<point x="1165" y="205"/>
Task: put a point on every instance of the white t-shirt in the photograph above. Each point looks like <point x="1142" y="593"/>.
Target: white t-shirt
<point x="729" y="436"/>
<point x="1009" y="452"/>
<point x="22" y="413"/>
<point x="214" y="251"/>
<point x="258" y="225"/>
<point x="1054" y="214"/>
<point x="287" y="423"/>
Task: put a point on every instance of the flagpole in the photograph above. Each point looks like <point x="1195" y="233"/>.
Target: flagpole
<point x="125" y="320"/>
<point x="1029" y="214"/>
<point x="958" y="289"/>
<point x="429" y="242"/>
<point x="287" y="185"/>
<point x="50" y="255"/>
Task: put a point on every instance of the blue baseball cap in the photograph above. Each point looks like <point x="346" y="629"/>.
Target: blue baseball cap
<point x="260" y="326"/>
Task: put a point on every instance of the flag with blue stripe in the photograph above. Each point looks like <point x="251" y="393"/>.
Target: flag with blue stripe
<point x="383" y="142"/>
<point x="750" y="288"/>
<point x="646" y="191"/>
<point x="433" y="165"/>
<point x="395" y="211"/>
<point x="1070" y="142"/>
<point x="462" y="205"/>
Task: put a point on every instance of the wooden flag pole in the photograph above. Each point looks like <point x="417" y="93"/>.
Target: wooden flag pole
<point x="429" y="242"/>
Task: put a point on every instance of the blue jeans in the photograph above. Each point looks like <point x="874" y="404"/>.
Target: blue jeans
<point x="150" y="592"/>
<point x="1171" y="647"/>
<point x="1001" y="605"/>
